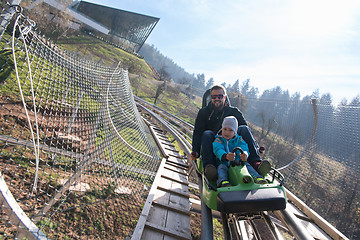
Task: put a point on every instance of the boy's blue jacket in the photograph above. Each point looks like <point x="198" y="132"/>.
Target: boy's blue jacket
<point x="223" y="146"/>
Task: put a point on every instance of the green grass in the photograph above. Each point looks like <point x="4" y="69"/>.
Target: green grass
<point x="108" y="54"/>
<point x="6" y="63"/>
<point x="50" y="81"/>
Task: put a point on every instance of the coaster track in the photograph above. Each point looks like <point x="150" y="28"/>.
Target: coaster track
<point x="297" y="219"/>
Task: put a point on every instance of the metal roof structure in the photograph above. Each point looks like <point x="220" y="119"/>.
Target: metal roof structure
<point x="128" y="29"/>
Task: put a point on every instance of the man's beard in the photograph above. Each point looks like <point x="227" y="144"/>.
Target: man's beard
<point x="218" y="108"/>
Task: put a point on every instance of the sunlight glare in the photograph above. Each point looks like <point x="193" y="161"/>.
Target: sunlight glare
<point x="320" y="18"/>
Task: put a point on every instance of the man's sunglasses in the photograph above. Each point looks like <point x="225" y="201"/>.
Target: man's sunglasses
<point x="220" y="96"/>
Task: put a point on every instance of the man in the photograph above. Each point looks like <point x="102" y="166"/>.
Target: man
<point x="208" y="123"/>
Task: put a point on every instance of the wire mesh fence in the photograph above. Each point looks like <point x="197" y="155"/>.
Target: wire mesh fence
<point x="315" y="145"/>
<point x="76" y="161"/>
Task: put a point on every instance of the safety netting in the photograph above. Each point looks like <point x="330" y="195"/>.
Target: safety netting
<point x="315" y="145"/>
<point x="75" y="157"/>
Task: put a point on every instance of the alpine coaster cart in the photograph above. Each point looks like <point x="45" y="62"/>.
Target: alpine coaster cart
<point x="243" y="200"/>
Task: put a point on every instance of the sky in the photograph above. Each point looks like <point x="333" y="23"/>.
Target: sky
<point x="300" y="45"/>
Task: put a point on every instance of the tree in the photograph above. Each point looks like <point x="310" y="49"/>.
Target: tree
<point x="184" y="81"/>
<point x="156" y="59"/>
<point x="253" y="93"/>
<point x="200" y="81"/>
<point x="245" y="87"/>
<point x="159" y="90"/>
<point x="209" y="83"/>
<point x="235" y="87"/>
<point x="316" y="93"/>
<point x="52" y="22"/>
<point x="268" y="124"/>
<point x="164" y="75"/>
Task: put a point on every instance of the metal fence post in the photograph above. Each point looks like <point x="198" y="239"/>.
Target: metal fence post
<point x="7" y="14"/>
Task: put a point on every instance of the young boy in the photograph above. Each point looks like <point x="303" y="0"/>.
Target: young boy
<point x="225" y="141"/>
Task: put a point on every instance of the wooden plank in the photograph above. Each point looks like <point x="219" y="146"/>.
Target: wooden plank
<point x="175" y="180"/>
<point x="163" y="138"/>
<point x="172" y="149"/>
<point x="176" y="156"/>
<point x="164" y="141"/>
<point x="157" y="129"/>
<point x="175" y="170"/>
<point x="168" y="144"/>
<point x="175" y="175"/>
<point x="178" y="166"/>
<point x="138" y="232"/>
<point x="173" y="208"/>
<point x="170" y="152"/>
<point x="180" y="160"/>
<point x="166" y="218"/>
<point x="182" y="164"/>
<point x="186" y="195"/>
<point x="179" y="221"/>
<point x="167" y="231"/>
<point x="158" y="216"/>
<point x="194" y="186"/>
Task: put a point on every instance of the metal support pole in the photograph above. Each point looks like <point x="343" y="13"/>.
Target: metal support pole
<point x="207" y="232"/>
<point x="6" y="16"/>
<point x="224" y="219"/>
<point x="272" y="226"/>
<point x="294" y="225"/>
<point x="75" y="112"/>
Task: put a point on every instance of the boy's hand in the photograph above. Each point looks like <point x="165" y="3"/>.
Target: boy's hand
<point x="230" y="156"/>
<point x="243" y="157"/>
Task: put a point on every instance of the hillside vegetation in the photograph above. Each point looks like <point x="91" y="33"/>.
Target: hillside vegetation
<point x="95" y="50"/>
<point x="142" y="77"/>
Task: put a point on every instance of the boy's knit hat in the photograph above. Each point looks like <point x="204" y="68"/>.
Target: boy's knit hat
<point x="230" y="122"/>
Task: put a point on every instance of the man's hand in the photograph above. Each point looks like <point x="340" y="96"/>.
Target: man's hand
<point x="194" y="155"/>
<point x="230" y="156"/>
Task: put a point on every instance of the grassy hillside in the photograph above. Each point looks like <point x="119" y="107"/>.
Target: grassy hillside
<point x="140" y="73"/>
<point x="98" y="51"/>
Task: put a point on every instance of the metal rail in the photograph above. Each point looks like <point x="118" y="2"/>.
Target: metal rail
<point x="27" y="229"/>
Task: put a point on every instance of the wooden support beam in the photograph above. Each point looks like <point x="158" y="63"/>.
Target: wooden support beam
<point x="177" y="156"/>
<point x="174" y="170"/>
<point x="177" y="165"/>
<point x="186" y="195"/>
<point x="166" y="231"/>
<point x="172" y="208"/>
<point x="175" y="180"/>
